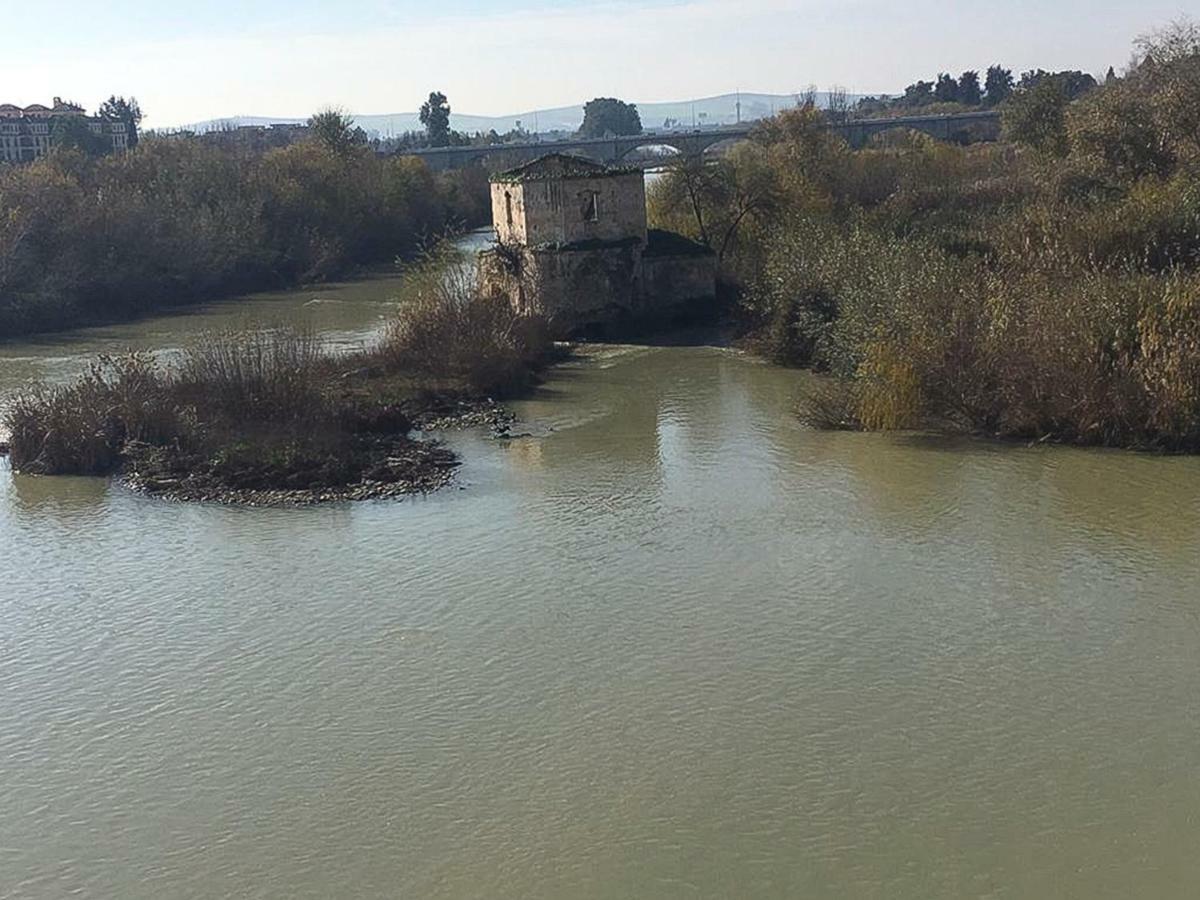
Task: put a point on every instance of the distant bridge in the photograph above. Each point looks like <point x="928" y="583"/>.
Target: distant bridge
<point x="961" y="127"/>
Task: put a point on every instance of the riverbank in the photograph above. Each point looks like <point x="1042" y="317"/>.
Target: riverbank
<point x="1042" y="288"/>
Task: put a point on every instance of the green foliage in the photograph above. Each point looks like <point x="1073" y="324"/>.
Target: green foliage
<point x="946" y="89"/>
<point x="119" y="109"/>
<point x="74" y="133"/>
<point x="435" y="116"/>
<point x="1036" y="115"/>
<point x="969" y="91"/>
<point x="335" y="129"/>
<point x="998" y="85"/>
<point x="607" y="115"/>
<point x="180" y="220"/>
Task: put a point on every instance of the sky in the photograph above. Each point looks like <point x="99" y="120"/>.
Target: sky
<point x="205" y="59"/>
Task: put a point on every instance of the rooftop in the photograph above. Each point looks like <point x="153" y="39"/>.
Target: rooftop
<point x="555" y="166"/>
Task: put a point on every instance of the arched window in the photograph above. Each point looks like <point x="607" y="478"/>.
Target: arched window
<point x="508" y="208"/>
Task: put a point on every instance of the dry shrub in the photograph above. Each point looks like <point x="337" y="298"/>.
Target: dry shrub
<point x="271" y="375"/>
<point x="832" y="404"/>
<point x="451" y="335"/>
<point x="80" y="429"/>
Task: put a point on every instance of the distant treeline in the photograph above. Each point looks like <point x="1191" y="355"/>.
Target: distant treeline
<point x="85" y="239"/>
<point x="1043" y="287"/>
<point x="947" y="93"/>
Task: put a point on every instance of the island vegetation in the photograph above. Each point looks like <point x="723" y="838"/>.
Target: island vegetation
<point x="1044" y="287"/>
<point x="265" y="416"/>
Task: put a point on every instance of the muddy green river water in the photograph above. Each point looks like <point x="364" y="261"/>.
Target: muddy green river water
<point x="669" y="644"/>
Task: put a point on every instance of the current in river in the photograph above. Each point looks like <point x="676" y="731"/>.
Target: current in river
<point x="668" y="643"/>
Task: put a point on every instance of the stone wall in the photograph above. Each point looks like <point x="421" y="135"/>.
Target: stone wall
<point x="570" y="210"/>
<point x="672" y="283"/>
<point x="573" y="288"/>
<point x="597" y="286"/>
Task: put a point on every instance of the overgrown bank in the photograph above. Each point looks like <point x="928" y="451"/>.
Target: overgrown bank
<point x="179" y="220"/>
<point x="1047" y="287"/>
<point x="269" y="417"/>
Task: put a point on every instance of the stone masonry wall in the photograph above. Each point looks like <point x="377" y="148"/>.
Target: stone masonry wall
<point x="577" y="288"/>
<point x="559" y="211"/>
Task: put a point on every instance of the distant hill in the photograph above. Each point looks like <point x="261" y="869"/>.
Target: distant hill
<point x="722" y="110"/>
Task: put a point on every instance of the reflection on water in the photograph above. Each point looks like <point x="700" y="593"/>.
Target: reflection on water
<point x="670" y="643"/>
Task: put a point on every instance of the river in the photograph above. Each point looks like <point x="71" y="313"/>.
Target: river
<point x="669" y="644"/>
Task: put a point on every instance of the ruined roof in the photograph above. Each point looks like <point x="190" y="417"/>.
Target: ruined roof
<point x="554" y="166"/>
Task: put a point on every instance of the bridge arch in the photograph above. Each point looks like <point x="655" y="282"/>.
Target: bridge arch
<point x="652" y="151"/>
<point x="720" y="148"/>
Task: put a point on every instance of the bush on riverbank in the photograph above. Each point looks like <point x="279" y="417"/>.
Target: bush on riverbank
<point x="1046" y="289"/>
<point x="179" y="220"/>
<point x="251" y="414"/>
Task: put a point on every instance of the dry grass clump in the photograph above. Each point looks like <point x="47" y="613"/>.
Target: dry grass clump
<point x="81" y="428"/>
<point x="454" y="337"/>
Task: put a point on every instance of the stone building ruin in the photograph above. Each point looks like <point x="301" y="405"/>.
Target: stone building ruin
<point x="572" y="245"/>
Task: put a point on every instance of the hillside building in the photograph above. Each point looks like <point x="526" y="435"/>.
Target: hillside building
<point x="26" y="133"/>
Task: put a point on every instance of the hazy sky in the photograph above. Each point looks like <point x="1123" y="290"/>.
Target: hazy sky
<point x="215" y="58"/>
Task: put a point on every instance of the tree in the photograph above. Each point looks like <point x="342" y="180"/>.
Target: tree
<point x="607" y="115"/>
<point x="1177" y="41"/>
<point x="919" y="94"/>
<point x="1037" y="116"/>
<point x="118" y="109"/>
<point x="74" y="133"/>
<point x="435" y="116"/>
<point x="946" y="89"/>
<point x="721" y="195"/>
<point x="1116" y="127"/>
<point x="336" y="130"/>
<point x="838" y="105"/>
<point x="1111" y="76"/>
<point x="1074" y="84"/>
<point x="999" y="85"/>
<point x="969" y="91"/>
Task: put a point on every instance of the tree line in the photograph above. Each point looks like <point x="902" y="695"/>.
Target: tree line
<point x="90" y="239"/>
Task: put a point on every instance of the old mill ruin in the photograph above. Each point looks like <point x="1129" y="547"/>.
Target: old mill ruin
<point x="572" y="245"/>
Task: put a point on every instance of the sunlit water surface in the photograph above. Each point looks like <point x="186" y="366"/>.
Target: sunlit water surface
<point x="669" y="644"/>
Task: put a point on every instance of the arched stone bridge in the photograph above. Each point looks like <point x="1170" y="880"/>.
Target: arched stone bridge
<point x="963" y="127"/>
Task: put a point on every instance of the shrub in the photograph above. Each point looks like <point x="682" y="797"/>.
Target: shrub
<point x="451" y="334"/>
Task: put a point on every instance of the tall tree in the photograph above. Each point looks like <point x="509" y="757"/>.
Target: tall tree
<point x="1111" y="76"/>
<point x="999" y="85"/>
<point x="336" y="130"/>
<point x="74" y="133"/>
<point x="607" y="115"/>
<point x="946" y="89"/>
<point x="1073" y="83"/>
<point x="435" y="116"/>
<point x="969" y="91"/>
<point x="118" y="109"/>
<point x="919" y="94"/>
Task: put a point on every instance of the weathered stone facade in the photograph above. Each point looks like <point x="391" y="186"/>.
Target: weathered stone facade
<point x="573" y="246"/>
